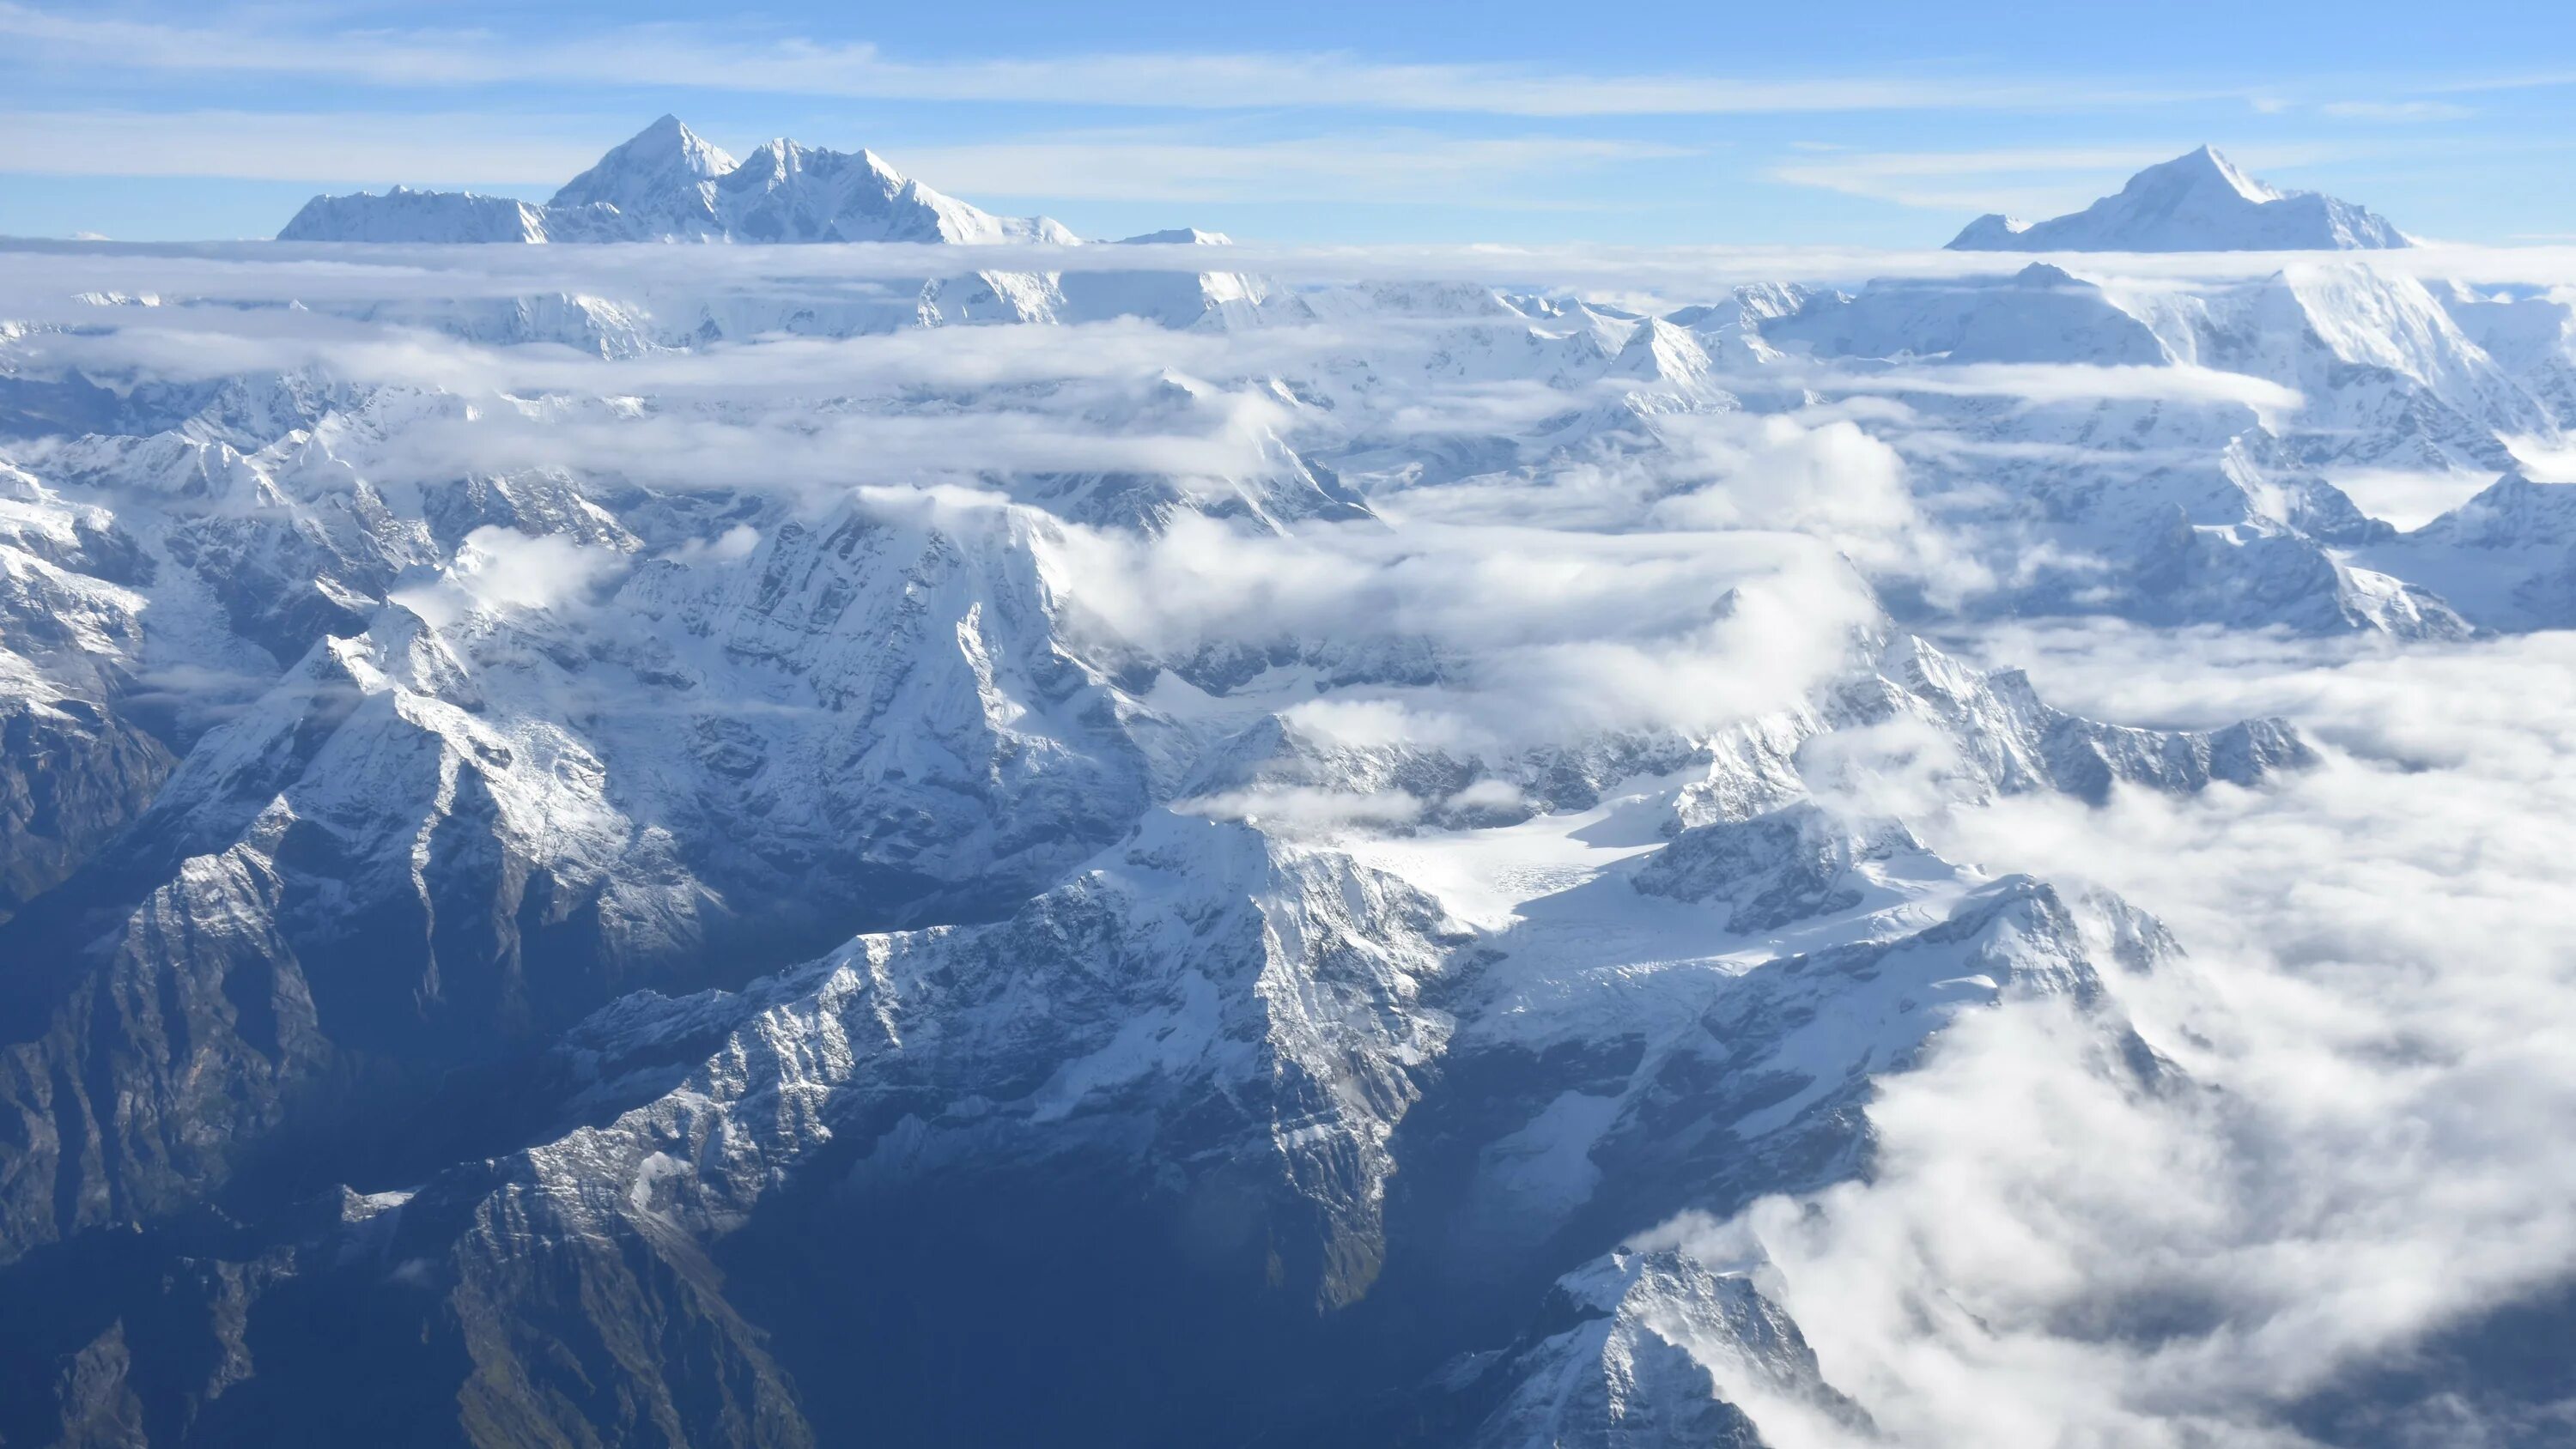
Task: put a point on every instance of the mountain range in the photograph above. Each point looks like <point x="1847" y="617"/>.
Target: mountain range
<point x="668" y="184"/>
<point x="599" y="846"/>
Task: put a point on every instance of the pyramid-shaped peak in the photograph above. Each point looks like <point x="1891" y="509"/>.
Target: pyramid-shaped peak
<point x="2204" y="166"/>
<point x="2196" y="202"/>
<point x="670" y="139"/>
<point x="645" y="172"/>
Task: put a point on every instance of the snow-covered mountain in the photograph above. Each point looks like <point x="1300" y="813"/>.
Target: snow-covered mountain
<point x="662" y="182"/>
<point x="617" y="849"/>
<point x="2197" y="202"/>
<point x="667" y="184"/>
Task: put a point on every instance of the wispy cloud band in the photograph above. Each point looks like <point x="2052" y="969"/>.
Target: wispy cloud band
<point x="666" y="56"/>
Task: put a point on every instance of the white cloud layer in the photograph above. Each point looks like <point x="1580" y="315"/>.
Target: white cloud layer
<point x="2373" y="1031"/>
<point x="42" y="280"/>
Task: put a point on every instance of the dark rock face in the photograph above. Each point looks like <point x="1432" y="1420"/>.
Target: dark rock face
<point x="72" y="775"/>
<point x="182" y="1034"/>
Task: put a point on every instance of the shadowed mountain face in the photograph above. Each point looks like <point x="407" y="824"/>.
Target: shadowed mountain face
<point x="605" y="847"/>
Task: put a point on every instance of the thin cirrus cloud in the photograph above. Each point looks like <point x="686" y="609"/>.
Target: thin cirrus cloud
<point x="1387" y="166"/>
<point x="274" y="146"/>
<point x="2024" y="181"/>
<point x="2396" y="110"/>
<point x="363" y="148"/>
<point x="666" y="55"/>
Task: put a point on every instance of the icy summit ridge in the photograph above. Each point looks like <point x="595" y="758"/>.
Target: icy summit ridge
<point x="2197" y="202"/>
<point x="667" y="183"/>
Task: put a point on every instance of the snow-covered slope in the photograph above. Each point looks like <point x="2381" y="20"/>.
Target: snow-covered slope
<point x="2197" y="202"/>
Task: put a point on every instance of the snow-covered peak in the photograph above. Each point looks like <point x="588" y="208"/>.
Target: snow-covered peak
<point x="663" y="164"/>
<point x="2199" y="201"/>
<point x="669" y="184"/>
<point x="1660" y="352"/>
<point x="2202" y="166"/>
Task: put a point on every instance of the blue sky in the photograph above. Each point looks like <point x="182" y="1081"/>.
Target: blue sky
<point x="1326" y="122"/>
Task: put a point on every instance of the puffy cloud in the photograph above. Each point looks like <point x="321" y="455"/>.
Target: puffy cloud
<point x="1540" y="631"/>
<point x="1831" y="480"/>
<point x="497" y="569"/>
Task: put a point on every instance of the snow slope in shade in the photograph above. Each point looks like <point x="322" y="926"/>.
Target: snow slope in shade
<point x="667" y="184"/>
<point x="2197" y="202"/>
